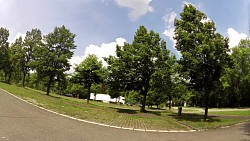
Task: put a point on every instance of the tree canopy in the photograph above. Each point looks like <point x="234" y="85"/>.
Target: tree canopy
<point x="88" y="72"/>
<point x="135" y="64"/>
<point x="204" y="51"/>
<point x="51" y="59"/>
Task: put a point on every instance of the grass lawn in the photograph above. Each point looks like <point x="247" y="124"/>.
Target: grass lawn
<point x="233" y="113"/>
<point x="118" y="115"/>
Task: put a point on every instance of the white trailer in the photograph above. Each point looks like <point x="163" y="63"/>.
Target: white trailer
<point x="106" y="98"/>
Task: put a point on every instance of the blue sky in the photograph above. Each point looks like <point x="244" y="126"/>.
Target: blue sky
<point x="101" y="24"/>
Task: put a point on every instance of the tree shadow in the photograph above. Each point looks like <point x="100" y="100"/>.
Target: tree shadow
<point x="193" y="117"/>
<point x="5" y="82"/>
<point x="158" y="113"/>
<point x="126" y="111"/>
<point x="246" y="130"/>
<point x="132" y="111"/>
<point x="160" y="109"/>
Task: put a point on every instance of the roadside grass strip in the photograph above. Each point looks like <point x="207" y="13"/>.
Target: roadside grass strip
<point x="117" y="116"/>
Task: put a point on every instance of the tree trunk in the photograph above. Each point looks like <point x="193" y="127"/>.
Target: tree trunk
<point x="206" y="106"/>
<point x="48" y="88"/>
<point x="143" y="102"/>
<point x="49" y="84"/>
<point x="5" y="77"/>
<point x="88" y="98"/>
<point x="9" y="78"/>
<point x="206" y="113"/>
<point x="170" y="102"/>
<point x="24" y="77"/>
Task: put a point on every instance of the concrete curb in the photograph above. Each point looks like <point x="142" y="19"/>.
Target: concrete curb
<point x="106" y="125"/>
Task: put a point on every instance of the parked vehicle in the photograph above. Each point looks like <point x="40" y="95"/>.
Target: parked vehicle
<point x="129" y="104"/>
<point x="68" y="95"/>
<point x="106" y="98"/>
<point x="139" y="104"/>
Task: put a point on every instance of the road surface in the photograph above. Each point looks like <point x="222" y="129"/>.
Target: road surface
<point x="20" y="121"/>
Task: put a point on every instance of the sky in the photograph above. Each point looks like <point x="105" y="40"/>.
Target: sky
<point x="101" y="24"/>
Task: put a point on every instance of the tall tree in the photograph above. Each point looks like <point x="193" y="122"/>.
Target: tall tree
<point x="88" y="72"/>
<point x="116" y="71"/>
<point x="237" y="78"/>
<point x="17" y="59"/>
<point x="204" y="52"/>
<point x="135" y="63"/>
<point x="51" y="59"/>
<point x="4" y="51"/>
<point x="32" y="40"/>
<point x="162" y="81"/>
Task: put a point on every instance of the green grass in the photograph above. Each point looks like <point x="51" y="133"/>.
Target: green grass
<point x="233" y="113"/>
<point x="117" y="115"/>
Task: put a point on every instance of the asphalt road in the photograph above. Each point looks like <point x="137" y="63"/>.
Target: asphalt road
<point x="20" y="121"/>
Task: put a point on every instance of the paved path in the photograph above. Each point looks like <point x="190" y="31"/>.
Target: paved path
<point x="20" y="121"/>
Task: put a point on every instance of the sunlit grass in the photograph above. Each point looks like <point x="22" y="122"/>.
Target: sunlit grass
<point x="119" y="115"/>
<point x="235" y="113"/>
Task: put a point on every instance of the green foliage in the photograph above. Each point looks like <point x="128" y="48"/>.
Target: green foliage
<point x="77" y="90"/>
<point x="134" y="64"/>
<point x="204" y="52"/>
<point x="17" y="59"/>
<point x="32" y="41"/>
<point x="51" y="59"/>
<point x="162" y="81"/>
<point x="88" y="72"/>
<point x="132" y="97"/>
<point x="237" y="79"/>
<point x="4" y="51"/>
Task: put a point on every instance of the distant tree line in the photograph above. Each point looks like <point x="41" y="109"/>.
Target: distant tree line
<point x="208" y="74"/>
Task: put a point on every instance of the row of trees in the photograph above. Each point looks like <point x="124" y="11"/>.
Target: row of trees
<point x="47" y="56"/>
<point x="207" y="74"/>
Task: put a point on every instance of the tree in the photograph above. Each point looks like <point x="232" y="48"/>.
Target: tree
<point x="32" y="40"/>
<point x="88" y="72"/>
<point x="51" y="59"/>
<point x="135" y="64"/>
<point x="116" y="71"/>
<point x="162" y="81"/>
<point x="204" y="52"/>
<point x="237" y="78"/>
<point x="17" y="59"/>
<point x="4" y="50"/>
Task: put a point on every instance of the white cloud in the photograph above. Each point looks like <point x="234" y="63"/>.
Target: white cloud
<point x="235" y="37"/>
<point x="19" y="34"/>
<point x="137" y="8"/>
<point x="105" y="50"/>
<point x="169" y="23"/>
<point x="169" y="31"/>
<point x="169" y="18"/>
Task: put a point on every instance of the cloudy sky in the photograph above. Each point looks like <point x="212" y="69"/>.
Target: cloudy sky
<point x="101" y="24"/>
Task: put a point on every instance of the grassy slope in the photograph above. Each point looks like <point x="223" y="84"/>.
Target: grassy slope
<point x="116" y="115"/>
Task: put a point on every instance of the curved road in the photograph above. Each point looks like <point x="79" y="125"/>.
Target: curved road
<point x="20" y="121"/>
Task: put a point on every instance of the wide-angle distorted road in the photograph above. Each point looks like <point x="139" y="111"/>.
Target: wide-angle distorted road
<point x="20" y="121"/>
